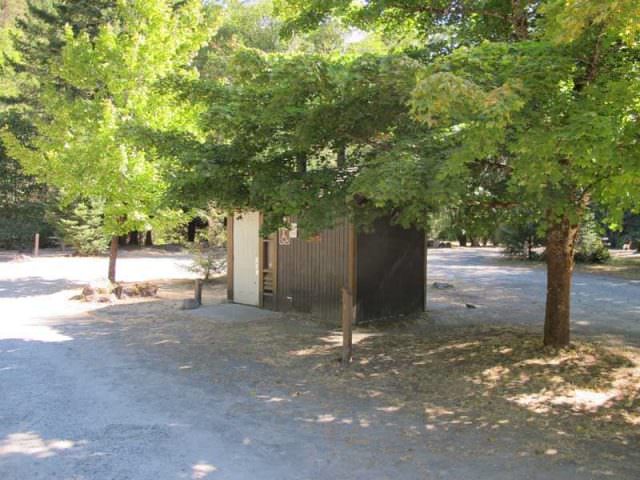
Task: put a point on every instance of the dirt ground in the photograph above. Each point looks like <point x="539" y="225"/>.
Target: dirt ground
<point x="143" y="390"/>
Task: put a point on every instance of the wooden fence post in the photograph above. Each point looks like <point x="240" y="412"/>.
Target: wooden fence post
<point x="36" y="245"/>
<point x="347" y="326"/>
<point x="198" y="292"/>
<point x="426" y="275"/>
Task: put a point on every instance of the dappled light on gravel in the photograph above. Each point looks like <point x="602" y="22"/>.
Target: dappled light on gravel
<point x="498" y="380"/>
<point x="202" y="470"/>
<point x="331" y="341"/>
<point x="30" y="443"/>
<point x="507" y="367"/>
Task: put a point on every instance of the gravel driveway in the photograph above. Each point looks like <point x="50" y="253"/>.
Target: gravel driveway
<point x="514" y="293"/>
<point x="138" y="392"/>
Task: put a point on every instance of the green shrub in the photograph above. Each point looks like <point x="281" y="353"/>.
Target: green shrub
<point x="83" y="228"/>
<point x="207" y="260"/>
<point x="206" y="249"/>
<point x="589" y="246"/>
<point x="520" y="238"/>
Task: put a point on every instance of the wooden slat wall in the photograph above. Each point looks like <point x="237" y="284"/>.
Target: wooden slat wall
<point x="312" y="273"/>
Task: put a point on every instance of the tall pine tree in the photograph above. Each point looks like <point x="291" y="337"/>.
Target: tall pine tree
<point x="23" y="201"/>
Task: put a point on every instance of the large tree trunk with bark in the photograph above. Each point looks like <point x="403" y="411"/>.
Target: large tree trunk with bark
<point x="113" y="256"/>
<point x="561" y="239"/>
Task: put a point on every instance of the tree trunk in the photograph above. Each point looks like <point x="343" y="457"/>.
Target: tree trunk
<point x="113" y="255"/>
<point x="519" y="20"/>
<point x="342" y="157"/>
<point x="134" y="238"/>
<point x="561" y="239"/>
<point x="148" y="239"/>
<point x="192" y="230"/>
<point x="301" y="163"/>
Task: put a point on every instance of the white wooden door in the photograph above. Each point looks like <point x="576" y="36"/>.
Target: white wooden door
<point x="246" y="242"/>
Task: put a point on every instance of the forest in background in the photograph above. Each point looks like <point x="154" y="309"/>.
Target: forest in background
<point x="29" y="207"/>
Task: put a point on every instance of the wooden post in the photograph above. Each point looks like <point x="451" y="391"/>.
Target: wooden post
<point x="230" y="220"/>
<point x="347" y="327"/>
<point x="198" y="292"/>
<point x="36" y="245"/>
<point x="260" y="263"/>
<point x="426" y="274"/>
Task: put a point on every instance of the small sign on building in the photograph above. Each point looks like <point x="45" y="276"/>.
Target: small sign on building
<point x="284" y="238"/>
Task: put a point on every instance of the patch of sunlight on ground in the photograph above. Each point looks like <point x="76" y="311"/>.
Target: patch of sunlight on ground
<point x="202" y="470"/>
<point x="31" y="333"/>
<point x="585" y="359"/>
<point x="327" y="418"/>
<point x="335" y="338"/>
<point x="578" y="399"/>
<point x="270" y="399"/>
<point x="632" y="418"/>
<point x="455" y="346"/>
<point x="619" y="384"/>
<point x="433" y="412"/>
<point x="30" y="443"/>
<point x="331" y="341"/>
<point x="494" y="375"/>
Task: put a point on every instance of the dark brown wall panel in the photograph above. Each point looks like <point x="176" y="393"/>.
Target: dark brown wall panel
<point x="390" y="271"/>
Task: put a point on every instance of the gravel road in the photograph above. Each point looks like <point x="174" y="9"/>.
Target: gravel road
<point x="85" y="396"/>
<point x="514" y="292"/>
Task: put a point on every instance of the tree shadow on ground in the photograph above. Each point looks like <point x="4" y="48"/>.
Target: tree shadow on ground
<point x="33" y="286"/>
<point x="488" y="378"/>
<point x="495" y="382"/>
<point x="481" y="377"/>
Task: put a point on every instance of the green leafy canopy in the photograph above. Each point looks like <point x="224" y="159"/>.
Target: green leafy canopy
<point x="83" y="144"/>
